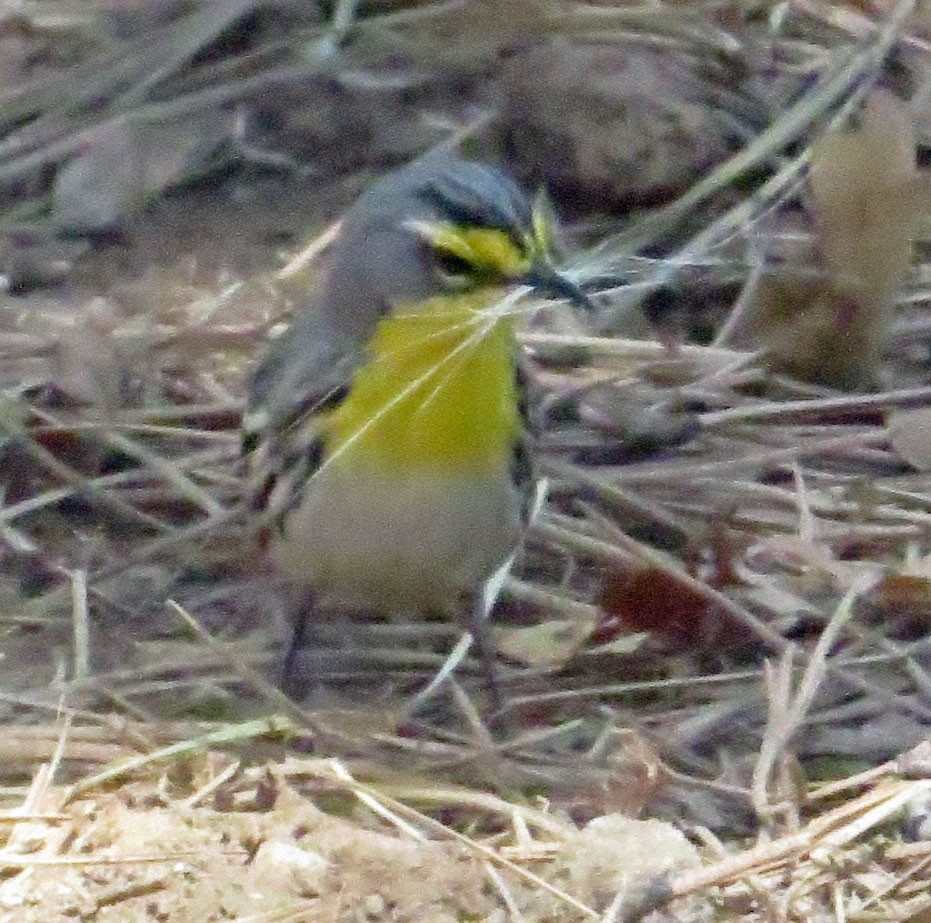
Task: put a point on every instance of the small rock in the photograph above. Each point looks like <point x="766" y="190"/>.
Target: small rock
<point x="283" y="866"/>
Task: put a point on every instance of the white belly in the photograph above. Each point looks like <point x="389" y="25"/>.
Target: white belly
<point x="395" y="544"/>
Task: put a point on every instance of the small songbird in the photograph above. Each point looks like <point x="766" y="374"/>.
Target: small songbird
<point x="385" y="430"/>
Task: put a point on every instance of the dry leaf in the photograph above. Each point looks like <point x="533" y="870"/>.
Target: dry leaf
<point x="652" y="600"/>
<point x="619" y="775"/>
<point x="868" y="199"/>
<point x="863" y="190"/>
<point x="902" y="602"/>
<point x="910" y="435"/>
<point x="551" y="644"/>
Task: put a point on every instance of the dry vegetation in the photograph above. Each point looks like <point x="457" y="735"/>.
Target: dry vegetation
<point x="719" y="621"/>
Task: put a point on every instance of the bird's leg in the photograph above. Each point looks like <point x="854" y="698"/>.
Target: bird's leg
<point x="480" y="628"/>
<point x="292" y="685"/>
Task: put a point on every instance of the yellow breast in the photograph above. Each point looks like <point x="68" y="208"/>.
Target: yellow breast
<point x="437" y="394"/>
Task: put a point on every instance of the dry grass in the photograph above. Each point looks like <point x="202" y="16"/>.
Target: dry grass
<point x="725" y="599"/>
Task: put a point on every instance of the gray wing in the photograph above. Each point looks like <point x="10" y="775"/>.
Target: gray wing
<point x="305" y="372"/>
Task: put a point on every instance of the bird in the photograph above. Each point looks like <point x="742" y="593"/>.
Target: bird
<point x="386" y="433"/>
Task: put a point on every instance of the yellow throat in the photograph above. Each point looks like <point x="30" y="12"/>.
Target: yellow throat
<point x="437" y="395"/>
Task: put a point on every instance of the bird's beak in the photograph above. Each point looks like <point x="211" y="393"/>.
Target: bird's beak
<point x="544" y="279"/>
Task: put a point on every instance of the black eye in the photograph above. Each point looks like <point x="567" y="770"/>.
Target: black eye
<point x="450" y="264"/>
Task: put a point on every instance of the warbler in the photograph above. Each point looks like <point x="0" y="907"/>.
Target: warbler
<point x="385" y="429"/>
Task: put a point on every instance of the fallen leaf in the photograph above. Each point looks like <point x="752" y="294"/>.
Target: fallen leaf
<point x="552" y="644"/>
<point x="910" y="435"/>
<point x="652" y="600"/>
